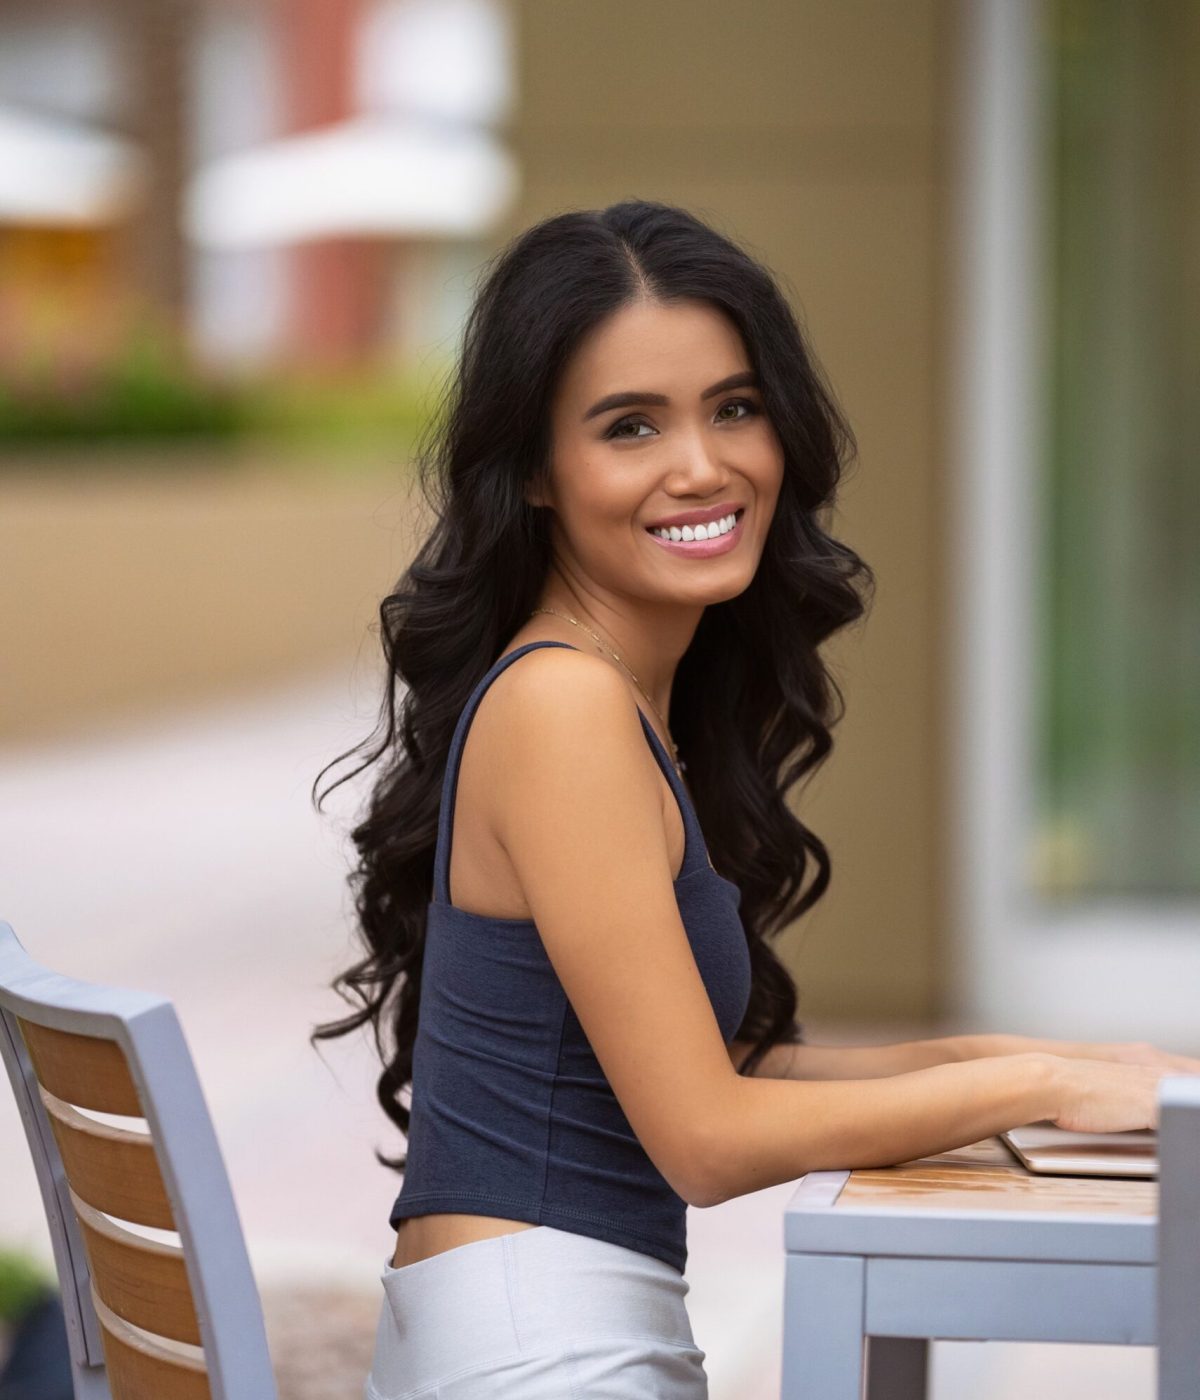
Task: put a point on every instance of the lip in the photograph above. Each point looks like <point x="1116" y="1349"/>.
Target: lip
<point x="704" y="549"/>
<point x="696" y="517"/>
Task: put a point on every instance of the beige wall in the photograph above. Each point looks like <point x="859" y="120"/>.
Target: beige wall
<point x="813" y="131"/>
<point x="132" y="586"/>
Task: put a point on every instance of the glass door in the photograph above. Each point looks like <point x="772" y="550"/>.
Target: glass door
<point x="1077" y="517"/>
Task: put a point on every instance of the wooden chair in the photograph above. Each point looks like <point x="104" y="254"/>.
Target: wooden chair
<point x="146" y="1319"/>
<point x="1178" y="1277"/>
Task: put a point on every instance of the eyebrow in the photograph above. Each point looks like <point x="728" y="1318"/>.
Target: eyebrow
<point x="629" y="398"/>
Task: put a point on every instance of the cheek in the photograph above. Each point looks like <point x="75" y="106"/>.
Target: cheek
<point x="772" y="475"/>
<point x="600" y="509"/>
<point x="605" y="496"/>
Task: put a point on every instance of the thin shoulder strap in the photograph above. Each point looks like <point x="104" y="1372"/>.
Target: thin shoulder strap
<point x="695" y="854"/>
<point x="441" y="860"/>
<point x="695" y="851"/>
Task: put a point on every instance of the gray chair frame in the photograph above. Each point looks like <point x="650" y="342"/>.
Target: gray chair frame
<point x="1178" y="1293"/>
<point x="146" y="1028"/>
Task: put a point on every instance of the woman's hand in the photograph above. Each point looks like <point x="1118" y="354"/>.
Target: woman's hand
<point x="1103" y="1086"/>
<point x="1138" y="1052"/>
<point x="1122" y="1052"/>
<point x="1099" y="1097"/>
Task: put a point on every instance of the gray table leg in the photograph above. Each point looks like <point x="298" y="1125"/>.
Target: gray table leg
<point x="897" y="1368"/>
<point x="823" y="1309"/>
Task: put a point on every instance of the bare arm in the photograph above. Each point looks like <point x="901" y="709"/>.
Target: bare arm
<point x="770" y="1130"/>
<point x="807" y="1061"/>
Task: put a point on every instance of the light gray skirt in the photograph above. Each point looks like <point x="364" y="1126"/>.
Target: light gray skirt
<point x="540" y="1314"/>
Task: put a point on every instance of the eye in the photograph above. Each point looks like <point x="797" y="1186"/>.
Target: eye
<point x="621" y="423"/>
<point x="750" y="407"/>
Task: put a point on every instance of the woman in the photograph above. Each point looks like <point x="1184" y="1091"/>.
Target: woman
<point x="572" y="865"/>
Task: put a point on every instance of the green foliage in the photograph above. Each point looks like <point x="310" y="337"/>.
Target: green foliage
<point x="141" y="392"/>
<point x="22" y="1282"/>
<point x="344" y="408"/>
<point x="148" y="392"/>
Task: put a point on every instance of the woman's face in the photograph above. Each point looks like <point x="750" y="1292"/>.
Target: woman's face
<point x="657" y="419"/>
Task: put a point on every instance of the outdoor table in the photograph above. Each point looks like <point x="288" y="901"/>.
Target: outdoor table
<point x="965" y="1245"/>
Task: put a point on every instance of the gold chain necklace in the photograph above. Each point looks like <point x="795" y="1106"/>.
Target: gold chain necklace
<point x="680" y="766"/>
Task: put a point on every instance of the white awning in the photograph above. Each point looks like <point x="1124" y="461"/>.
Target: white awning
<point x="372" y="175"/>
<point x="59" y="172"/>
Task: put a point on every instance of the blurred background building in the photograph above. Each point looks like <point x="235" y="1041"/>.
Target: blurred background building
<point x="285" y="179"/>
<point x="237" y="239"/>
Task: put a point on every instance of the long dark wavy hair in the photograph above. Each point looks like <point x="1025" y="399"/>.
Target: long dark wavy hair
<point x="753" y="703"/>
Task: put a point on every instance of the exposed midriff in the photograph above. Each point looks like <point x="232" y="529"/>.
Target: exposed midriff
<point x="422" y="1236"/>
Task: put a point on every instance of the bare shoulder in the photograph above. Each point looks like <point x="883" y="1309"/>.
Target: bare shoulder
<point x="567" y="665"/>
<point x="557" y="710"/>
<point x="551" y="678"/>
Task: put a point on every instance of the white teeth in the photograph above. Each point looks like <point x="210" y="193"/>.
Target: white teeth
<point x="699" y="532"/>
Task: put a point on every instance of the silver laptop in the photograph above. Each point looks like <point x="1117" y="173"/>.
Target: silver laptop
<point x="1051" y="1150"/>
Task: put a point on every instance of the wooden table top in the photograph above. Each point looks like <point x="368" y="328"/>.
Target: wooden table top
<point x="986" y="1175"/>
<point x="976" y="1203"/>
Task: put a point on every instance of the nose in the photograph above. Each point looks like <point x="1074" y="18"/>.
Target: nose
<point x="698" y="470"/>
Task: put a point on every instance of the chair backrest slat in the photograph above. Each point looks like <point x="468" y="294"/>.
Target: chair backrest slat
<point x="141" y="1367"/>
<point x="142" y="1280"/>
<point x="113" y="1169"/>
<point x="85" y="1070"/>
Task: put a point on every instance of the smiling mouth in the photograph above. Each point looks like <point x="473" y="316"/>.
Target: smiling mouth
<point x="664" y="532"/>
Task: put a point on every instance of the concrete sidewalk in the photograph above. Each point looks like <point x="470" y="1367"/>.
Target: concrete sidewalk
<point x="184" y="857"/>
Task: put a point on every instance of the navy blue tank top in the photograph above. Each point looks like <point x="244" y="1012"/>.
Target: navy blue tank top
<point x="512" y="1115"/>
